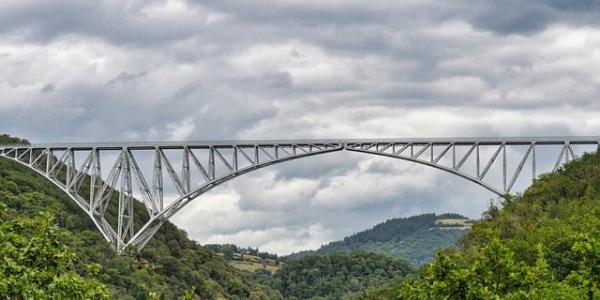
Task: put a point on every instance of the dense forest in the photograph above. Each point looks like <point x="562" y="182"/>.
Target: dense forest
<point x="543" y="244"/>
<point x="414" y="238"/>
<point x="336" y="276"/>
<point x="168" y="267"/>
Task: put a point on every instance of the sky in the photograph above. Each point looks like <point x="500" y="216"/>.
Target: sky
<point x="96" y="71"/>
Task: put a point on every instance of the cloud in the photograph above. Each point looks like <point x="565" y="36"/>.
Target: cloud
<point x="184" y="70"/>
<point x="48" y="88"/>
<point x="181" y="131"/>
<point x="125" y="77"/>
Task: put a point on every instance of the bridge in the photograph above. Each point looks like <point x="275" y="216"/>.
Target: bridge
<point x="77" y="169"/>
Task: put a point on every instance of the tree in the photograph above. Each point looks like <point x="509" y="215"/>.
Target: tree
<point x="35" y="264"/>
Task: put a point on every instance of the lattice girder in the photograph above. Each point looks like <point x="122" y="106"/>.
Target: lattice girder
<point x="214" y="163"/>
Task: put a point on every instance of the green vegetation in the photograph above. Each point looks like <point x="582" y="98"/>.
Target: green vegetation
<point x="335" y="276"/>
<point x="544" y="244"/>
<point x="247" y="259"/>
<point x="11" y="140"/>
<point x="414" y="238"/>
<point x="228" y="250"/>
<point x="170" y="265"/>
<point x="36" y="264"/>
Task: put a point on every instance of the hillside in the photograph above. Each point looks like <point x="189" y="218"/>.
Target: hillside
<point x="167" y="267"/>
<point x="247" y="259"/>
<point x="336" y="276"/>
<point x="414" y="238"/>
<point x="544" y="244"/>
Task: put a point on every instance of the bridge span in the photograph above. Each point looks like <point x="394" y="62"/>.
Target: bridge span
<point x="76" y="168"/>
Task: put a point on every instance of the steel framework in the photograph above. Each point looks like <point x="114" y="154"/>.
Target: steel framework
<point x="219" y="161"/>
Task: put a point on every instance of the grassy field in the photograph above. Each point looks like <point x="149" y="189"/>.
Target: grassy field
<point x="454" y="222"/>
<point x="253" y="266"/>
<point x="252" y="263"/>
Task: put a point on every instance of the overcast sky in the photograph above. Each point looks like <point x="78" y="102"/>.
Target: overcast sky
<point x="94" y="71"/>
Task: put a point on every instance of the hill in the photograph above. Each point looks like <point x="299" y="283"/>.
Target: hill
<point x="169" y="265"/>
<point x="336" y="276"/>
<point x="414" y="238"/>
<point x="543" y="244"/>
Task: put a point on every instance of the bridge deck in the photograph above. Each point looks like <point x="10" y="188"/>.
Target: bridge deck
<point x="585" y="140"/>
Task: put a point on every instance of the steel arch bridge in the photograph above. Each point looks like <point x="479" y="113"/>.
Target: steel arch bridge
<point x="68" y="166"/>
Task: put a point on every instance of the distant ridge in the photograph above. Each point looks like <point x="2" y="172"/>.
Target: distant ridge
<point x="413" y="238"/>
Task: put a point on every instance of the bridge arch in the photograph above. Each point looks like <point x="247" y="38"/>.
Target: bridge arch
<point x="46" y="161"/>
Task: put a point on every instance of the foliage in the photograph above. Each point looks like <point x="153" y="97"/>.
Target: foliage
<point x="336" y="276"/>
<point x="544" y="244"/>
<point x="36" y="264"/>
<point x="414" y="238"/>
<point x="11" y="140"/>
<point x="230" y="249"/>
<point x="169" y="265"/>
<point x="451" y="216"/>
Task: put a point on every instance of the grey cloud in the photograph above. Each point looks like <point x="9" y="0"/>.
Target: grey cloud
<point x="125" y="77"/>
<point x="48" y="88"/>
<point x="316" y="69"/>
<point x="508" y="17"/>
<point x="131" y="24"/>
<point x="124" y="24"/>
<point x="503" y="17"/>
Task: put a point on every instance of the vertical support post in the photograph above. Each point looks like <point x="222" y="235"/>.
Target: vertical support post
<point x="504" y="165"/>
<point x="533" y="163"/>
<point x="453" y="156"/>
<point x="70" y="167"/>
<point x="211" y="163"/>
<point x="49" y="155"/>
<point x="478" y="160"/>
<point x="96" y="176"/>
<point x="256" y="154"/>
<point x="566" y="152"/>
<point x="185" y="169"/>
<point x="431" y="152"/>
<point x="125" y="214"/>
<point x="235" y="159"/>
<point x="157" y="180"/>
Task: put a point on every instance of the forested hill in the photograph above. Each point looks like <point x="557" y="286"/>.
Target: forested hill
<point x="336" y="276"/>
<point x="170" y="264"/>
<point x="414" y="238"/>
<point x="544" y="244"/>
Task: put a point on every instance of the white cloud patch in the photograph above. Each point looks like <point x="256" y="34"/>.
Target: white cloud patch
<point x="181" y="131"/>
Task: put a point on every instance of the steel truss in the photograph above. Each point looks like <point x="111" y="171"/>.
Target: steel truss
<point x="218" y="162"/>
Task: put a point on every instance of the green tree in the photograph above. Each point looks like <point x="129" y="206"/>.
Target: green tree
<point x="503" y="258"/>
<point x="35" y="264"/>
<point x="337" y="276"/>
